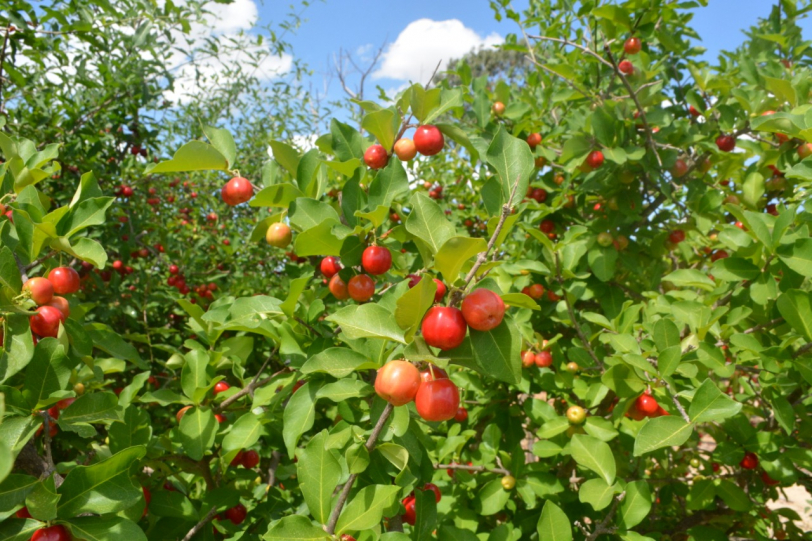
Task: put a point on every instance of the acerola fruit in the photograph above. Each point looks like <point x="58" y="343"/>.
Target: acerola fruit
<point x="376" y="157"/>
<point x="543" y="359"/>
<point x="405" y="149"/>
<point x="535" y="291"/>
<point x="441" y="290"/>
<point x="595" y="159"/>
<point x="397" y="382"/>
<point x="40" y="289"/>
<point x="410" y="517"/>
<point x="719" y="254"/>
<point x="278" y="235"/>
<point x="547" y="226"/>
<point x="437" y="400"/>
<point x="726" y="143"/>
<point x="250" y="459"/>
<point x="220" y="387"/>
<point x="434" y="488"/>
<point x="54" y="533"/>
<point x="61" y="304"/>
<point x="680" y="168"/>
<point x="805" y="150"/>
<point x="236" y="514"/>
<point x="677" y="236"/>
<point x="237" y="190"/>
<point x="462" y="415"/>
<point x="528" y="359"/>
<point x="428" y="140"/>
<point x="444" y="327"/>
<point x="361" y="288"/>
<point x="45" y="322"/>
<point x="508" y="482"/>
<point x="534" y="140"/>
<point x="605" y="239"/>
<point x="64" y="280"/>
<point x="330" y="266"/>
<point x="23" y="513"/>
<point x="498" y="108"/>
<point x="576" y="415"/>
<point x="237" y="460"/>
<point x="767" y="480"/>
<point x="626" y="67"/>
<point x="646" y="404"/>
<point x="433" y="372"/>
<point x="632" y="46"/>
<point x="347" y="537"/>
<point x="483" y="309"/>
<point x="376" y="260"/>
<point x="749" y="462"/>
<point x="338" y="288"/>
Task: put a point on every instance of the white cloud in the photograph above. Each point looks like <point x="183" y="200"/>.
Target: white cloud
<point x="423" y="43"/>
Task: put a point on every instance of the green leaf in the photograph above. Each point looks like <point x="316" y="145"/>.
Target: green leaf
<point x="734" y="269"/>
<point x="14" y="489"/>
<point x="83" y="248"/>
<point x="299" y="415"/>
<point x="389" y="183"/>
<point x="90" y="408"/>
<point x="428" y="223"/>
<point x="426" y="515"/>
<point x="636" y="505"/>
<point x="710" y="404"/>
<point x="193" y="375"/>
<point x="397" y="455"/>
<point x="795" y="307"/>
<point x="319" y="240"/>
<point x="733" y="496"/>
<point x="383" y="124"/>
<point x="491" y="498"/>
<point x="346" y="142"/>
<point x="623" y="380"/>
<point x="366" y="508"/>
<point x="498" y="351"/>
<point x="367" y="321"/>
<point x="377" y="217"/>
<point x="295" y="528"/>
<point x="554" y="525"/>
<point x="513" y="161"/>
<point x="193" y="156"/>
<point x="198" y="428"/>
<point x="453" y="254"/>
<point x="660" y="432"/>
<point x="244" y="433"/>
<point x="9" y="272"/>
<point x="520" y="300"/>
<point x="690" y="278"/>
<point x="596" y="493"/>
<point x="357" y="458"/>
<point x="278" y="195"/>
<point x="222" y="140"/>
<point x="286" y="155"/>
<point x="449" y="99"/>
<point x="412" y="306"/>
<point x="306" y="213"/>
<point x="319" y="472"/>
<point x="423" y="101"/>
<point x="105" y="487"/>
<point x="43" y="500"/>
<point x="666" y="334"/>
<point x="338" y="362"/>
<point x="344" y="389"/>
<point x="797" y="256"/>
<point x="105" y="529"/>
<point x="47" y="373"/>
<point x="602" y="262"/>
<point x="18" y="530"/>
<point x="595" y="455"/>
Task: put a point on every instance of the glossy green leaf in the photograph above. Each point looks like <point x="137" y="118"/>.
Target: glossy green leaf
<point x="319" y="472"/>
<point x="367" y="321"/>
<point x="595" y="455"/>
<point x="662" y="432"/>
<point x="710" y="404"/>
<point x="366" y="508"/>
<point x="554" y="525"/>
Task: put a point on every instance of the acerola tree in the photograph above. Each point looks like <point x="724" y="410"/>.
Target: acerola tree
<point x="575" y="306"/>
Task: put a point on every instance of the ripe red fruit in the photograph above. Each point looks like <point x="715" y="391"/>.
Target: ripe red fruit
<point x="534" y="140"/>
<point x="220" y="387"/>
<point x="726" y="143"/>
<point x="528" y="359"/>
<point x="237" y="460"/>
<point x="437" y="400"/>
<point x="397" y="382"/>
<point x="410" y="517"/>
<point x="405" y="149"/>
<point x="46" y="321"/>
<point x="250" y="459"/>
<point x="539" y="195"/>
<point x="173" y="269"/>
<point x="719" y="254"/>
<point x="749" y="462"/>
<point x="432" y="373"/>
<point x="535" y="291"/>
<point x="543" y="359"/>
<point x="547" y="226"/>
<point x="236" y="514"/>
<point x="646" y="405"/>
<point x="626" y="67"/>
<point x="428" y="140"/>
<point x="376" y="260"/>
<point x="347" y="537"/>
<point x="181" y="412"/>
<point x="361" y="288"/>
<point x="54" y="533"/>
<point x="632" y="46"/>
<point x="805" y="150"/>
<point x="338" y="288"/>
<point x="64" y="280"/>
<point x="64" y="403"/>
<point x="462" y="415"/>
<point x="693" y="111"/>
<point x="40" y="289"/>
<point x="220" y="418"/>
<point x="595" y="159"/>
<point x="767" y="480"/>
<point x="23" y="513"/>
<point x="330" y="266"/>
<point x="278" y="235"/>
<point x="61" y="304"/>
<point x="444" y="327"/>
<point x="434" y="488"/>
<point x="237" y="190"/>
<point x="441" y="290"/>
<point x="375" y="157"/>
<point x="118" y="265"/>
<point x="680" y="168"/>
<point x="677" y="236"/>
<point x="483" y="309"/>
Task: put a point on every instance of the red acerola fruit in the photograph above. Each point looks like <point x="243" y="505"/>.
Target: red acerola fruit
<point x="441" y="290"/>
<point x="646" y="405"/>
<point x="237" y="190"/>
<point x="632" y="46"/>
<point x="437" y="400"/>
<point x="376" y="260"/>
<point x="338" y="288"/>
<point x="726" y="143"/>
<point x="543" y="359"/>
<point x="397" y="382"/>
<point x="53" y="533"/>
<point x="428" y="140"/>
<point x="444" y="327"/>
<point x="483" y="309"/>
<point x="547" y="226"/>
<point x="626" y="67"/>
<point x="434" y="488"/>
<point x="749" y="462"/>
<point x="250" y="459"/>
<point x="361" y="288"/>
<point x="220" y="387"/>
<point x="236" y="514"/>
<point x="64" y="280"/>
<point x="677" y="236"/>
<point x="46" y="321"/>
<point x="40" y="289"/>
<point x="595" y="159"/>
<point x="376" y="157"/>
<point x="61" y="304"/>
<point x="433" y="372"/>
<point x="462" y="415"/>
<point x="330" y="266"/>
<point x="534" y="140"/>
<point x="410" y="517"/>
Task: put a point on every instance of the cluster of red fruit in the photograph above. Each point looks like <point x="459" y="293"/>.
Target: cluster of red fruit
<point x="646" y="406"/>
<point x="53" y="413"/>
<point x="375" y="260"/>
<point x="435" y="396"/>
<point x="445" y="327"/>
<point x="410" y="516"/>
<point x="536" y="291"/>
<point x="178" y="281"/>
<point x="428" y="141"/>
<point x="52" y="308"/>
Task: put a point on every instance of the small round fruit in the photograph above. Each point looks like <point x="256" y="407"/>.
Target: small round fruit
<point x="444" y="327"/>
<point x="330" y="266"/>
<point x="726" y="143"/>
<point x="483" y="309"/>
<point x="237" y="190"/>
<point x="65" y="280"/>
<point x="543" y="359"/>
<point x="632" y="46"/>
<point x="410" y="517"/>
<point x="375" y="157"/>
<point x="79" y="388"/>
<point x="498" y="108"/>
<point x="767" y="480"/>
<point x="719" y="254"/>
<point x="250" y="459"/>
<point x="61" y="304"/>
<point x="805" y="150"/>
<point x="376" y="260"/>
<point x="220" y="418"/>
<point x="347" y="537"/>
<point x="278" y="235"/>
<point x="23" y="513"/>
<point x="54" y="533"/>
<point x="397" y="382"/>
<point x="749" y="462"/>
<point x="441" y="290"/>
<point x="595" y="159"/>
<point x="361" y="288"/>
<point x="576" y="415"/>
<point x="528" y="359"/>
<point x="236" y="514"/>
<point x="338" y="288"/>
<point x="433" y="372"/>
<point x="534" y="140"/>
<point x="680" y="168"/>
<point x="677" y="236"/>
<point x="405" y="149"/>
<point x="508" y="482"/>
<point x="626" y="67"/>
<point x="434" y="488"/>
<point x="547" y="226"/>
<point x="45" y="322"/>
<point x="605" y="239"/>
<point x="437" y="400"/>
<point x="646" y="405"/>
<point x="181" y="412"/>
<point x="572" y="367"/>
<point x="695" y="463"/>
<point x="221" y="386"/>
<point x="462" y="415"/>
<point x="40" y="289"/>
<point x="535" y="291"/>
<point x="428" y="140"/>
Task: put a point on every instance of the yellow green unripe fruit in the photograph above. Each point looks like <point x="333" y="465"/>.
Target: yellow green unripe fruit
<point x="576" y="415"/>
<point x="508" y="482"/>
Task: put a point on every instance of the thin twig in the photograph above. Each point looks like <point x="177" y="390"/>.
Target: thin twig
<point x="275" y="457"/>
<point x="806" y="347"/>
<point x="253" y="385"/>
<point x="579" y="47"/>
<point x="21" y="268"/>
<point x="199" y="526"/>
<point x="465" y="467"/>
<point x="40" y="260"/>
<point x="571" y="312"/>
<point x="565" y="79"/>
<point x="680" y="408"/>
<point x="345" y="492"/>
<point x="601" y="528"/>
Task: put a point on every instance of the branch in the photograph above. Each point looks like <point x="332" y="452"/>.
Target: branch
<point x="680" y="408"/>
<point x="579" y="47"/>
<point x="3" y="63"/>
<point x="566" y="80"/>
<point x="571" y="312"/>
<point x="601" y="528"/>
<point x="345" y="492"/>
<point x="275" y="457"/>
<point x="253" y="385"/>
<point x="199" y="526"/>
<point x="40" y="260"/>
<point x="21" y="268"/>
<point x="464" y="467"/>
<point x="806" y="347"/>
